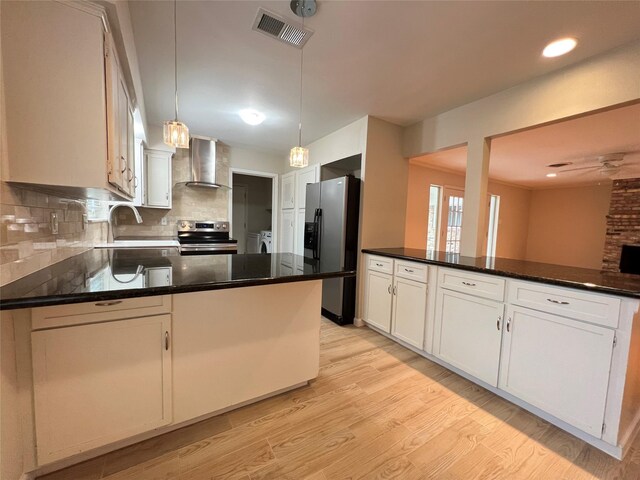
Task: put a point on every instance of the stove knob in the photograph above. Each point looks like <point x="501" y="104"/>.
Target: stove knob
<point x="183" y="224"/>
<point x="191" y="225"/>
<point x="218" y="226"/>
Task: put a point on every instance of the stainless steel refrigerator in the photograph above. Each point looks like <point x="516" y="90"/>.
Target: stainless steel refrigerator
<point x="331" y="236"/>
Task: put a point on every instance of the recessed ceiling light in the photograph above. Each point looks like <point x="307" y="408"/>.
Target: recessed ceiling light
<point x="559" y="47"/>
<point x="251" y="116"/>
<point x="551" y="175"/>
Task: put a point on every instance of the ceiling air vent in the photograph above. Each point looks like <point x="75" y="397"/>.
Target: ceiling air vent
<point x="281" y="29"/>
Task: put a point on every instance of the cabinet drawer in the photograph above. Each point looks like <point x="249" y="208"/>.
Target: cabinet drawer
<point x="589" y="307"/>
<point x="79" y="313"/>
<point x="380" y="264"/>
<point x="485" y="286"/>
<point x="411" y="271"/>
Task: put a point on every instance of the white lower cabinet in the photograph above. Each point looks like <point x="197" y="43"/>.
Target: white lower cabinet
<point x="98" y="383"/>
<point x="378" y="300"/>
<point x="396" y="298"/>
<point x="558" y="365"/>
<point x="468" y="333"/>
<point x="409" y="308"/>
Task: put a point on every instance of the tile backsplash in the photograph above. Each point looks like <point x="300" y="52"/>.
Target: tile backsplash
<point x="27" y="243"/>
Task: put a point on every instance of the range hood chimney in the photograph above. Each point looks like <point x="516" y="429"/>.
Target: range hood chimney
<point x="202" y="159"/>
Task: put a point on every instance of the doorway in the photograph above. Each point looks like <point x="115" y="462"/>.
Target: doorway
<point x="251" y="208"/>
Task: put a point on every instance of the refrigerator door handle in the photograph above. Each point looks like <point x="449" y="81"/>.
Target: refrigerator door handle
<point x="319" y="237"/>
<point x="314" y="249"/>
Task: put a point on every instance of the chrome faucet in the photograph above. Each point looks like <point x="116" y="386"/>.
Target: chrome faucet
<point x="110" y="225"/>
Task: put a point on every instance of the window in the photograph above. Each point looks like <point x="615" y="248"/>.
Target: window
<point x="433" y="221"/>
<point x="452" y="211"/>
<point x="97" y="210"/>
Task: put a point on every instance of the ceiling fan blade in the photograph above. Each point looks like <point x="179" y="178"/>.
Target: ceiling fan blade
<point x="580" y="168"/>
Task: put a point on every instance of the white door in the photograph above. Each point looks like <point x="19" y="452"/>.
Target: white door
<point x="239" y="216"/>
<point x="409" y="311"/>
<point x="287" y="229"/>
<point x="157" y="165"/>
<point x="299" y="250"/>
<point x="468" y="334"/>
<point x="288" y="191"/>
<point x="99" y="383"/>
<point x="558" y="365"/>
<point x="378" y="300"/>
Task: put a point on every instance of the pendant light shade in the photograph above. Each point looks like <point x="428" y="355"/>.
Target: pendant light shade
<point x="299" y="157"/>
<point x="175" y="133"/>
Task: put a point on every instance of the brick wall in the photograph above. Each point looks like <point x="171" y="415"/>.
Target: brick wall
<point x="623" y="221"/>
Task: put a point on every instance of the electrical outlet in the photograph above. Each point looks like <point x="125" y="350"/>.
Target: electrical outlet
<point x="54" y="223"/>
<point x="163" y="221"/>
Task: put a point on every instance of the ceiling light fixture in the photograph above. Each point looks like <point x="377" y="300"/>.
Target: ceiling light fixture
<point x="251" y="116"/>
<point x="175" y="133"/>
<point x="299" y="156"/>
<point x="559" y="47"/>
<point x="552" y="175"/>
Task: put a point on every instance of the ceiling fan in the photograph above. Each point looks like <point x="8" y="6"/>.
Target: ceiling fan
<point x="608" y="164"/>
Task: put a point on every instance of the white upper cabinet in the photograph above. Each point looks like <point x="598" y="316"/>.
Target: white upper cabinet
<point x="287" y="199"/>
<point x="57" y="128"/>
<point x="304" y="177"/>
<point x="157" y="179"/>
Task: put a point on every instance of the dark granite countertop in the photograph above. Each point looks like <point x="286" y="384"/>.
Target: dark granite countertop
<point x="621" y="284"/>
<point x="107" y="274"/>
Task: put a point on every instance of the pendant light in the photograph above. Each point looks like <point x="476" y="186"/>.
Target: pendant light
<point x="299" y="156"/>
<point x="175" y="133"/>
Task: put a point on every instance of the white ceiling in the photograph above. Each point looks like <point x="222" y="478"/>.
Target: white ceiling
<point x="400" y="61"/>
<point x="522" y="158"/>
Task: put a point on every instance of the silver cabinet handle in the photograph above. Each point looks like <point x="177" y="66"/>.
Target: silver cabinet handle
<point x="468" y="284"/>
<point x="498" y="322"/>
<point x="389" y="289"/>
<point x="508" y="324"/>
<point x="123" y="161"/>
<point x="135" y="182"/>
<point x="108" y="304"/>
<point x="557" y="302"/>
<point x="379" y="265"/>
<point x="395" y="290"/>
<point x="408" y="270"/>
<point x="130" y="174"/>
<point x="166" y="340"/>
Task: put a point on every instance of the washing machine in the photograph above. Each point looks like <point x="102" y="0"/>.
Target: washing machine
<point x="265" y="241"/>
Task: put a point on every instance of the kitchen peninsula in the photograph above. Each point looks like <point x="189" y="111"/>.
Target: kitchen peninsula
<point x="117" y="345"/>
<point x="559" y="341"/>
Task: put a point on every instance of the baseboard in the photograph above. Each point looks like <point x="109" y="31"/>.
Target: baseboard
<point x="630" y="435"/>
<point x="28" y="476"/>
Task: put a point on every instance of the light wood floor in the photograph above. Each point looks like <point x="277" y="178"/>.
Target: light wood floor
<point x="376" y="410"/>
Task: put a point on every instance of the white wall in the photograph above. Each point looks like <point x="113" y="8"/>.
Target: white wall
<point x="597" y="83"/>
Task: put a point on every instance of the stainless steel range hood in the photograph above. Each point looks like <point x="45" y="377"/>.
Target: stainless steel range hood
<point x="203" y="164"/>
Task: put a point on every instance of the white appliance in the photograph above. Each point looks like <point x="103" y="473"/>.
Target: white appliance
<point x="253" y="242"/>
<point x="265" y="241"/>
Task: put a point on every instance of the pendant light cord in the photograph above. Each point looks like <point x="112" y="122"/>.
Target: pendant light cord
<point x="175" y="52"/>
<point x="301" y="63"/>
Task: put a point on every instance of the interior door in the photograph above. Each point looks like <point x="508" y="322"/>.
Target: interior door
<point x="239" y="216"/>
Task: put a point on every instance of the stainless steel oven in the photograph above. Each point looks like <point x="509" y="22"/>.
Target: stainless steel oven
<point x="205" y="237"/>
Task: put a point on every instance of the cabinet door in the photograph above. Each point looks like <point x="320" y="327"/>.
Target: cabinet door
<point x="130" y="186"/>
<point x="112" y="72"/>
<point x="468" y="334"/>
<point x="157" y="179"/>
<point x="287" y="235"/>
<point x="409" y="311"/>
<point x="303" y="177"/>
<point x="378" y="300"/>
<point x="99" y="383"/>
<point x="123" y="135"/>
<point x="287" y="199"/>
<point x="558" y="365"/>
